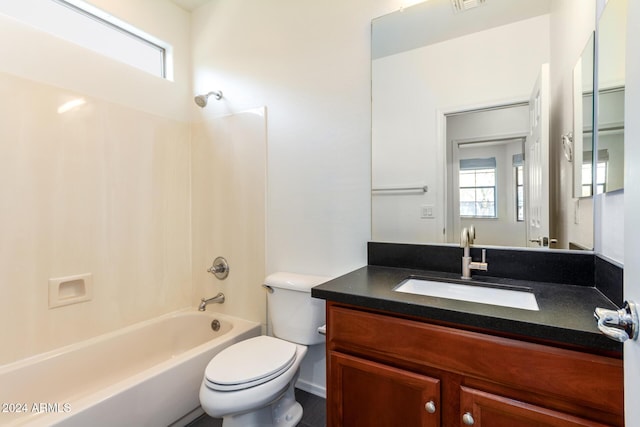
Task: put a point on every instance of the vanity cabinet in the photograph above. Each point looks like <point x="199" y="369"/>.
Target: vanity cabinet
<point x="364" y="391"/>
<point x="385" y="370"/>
<point x="486" y="409"/>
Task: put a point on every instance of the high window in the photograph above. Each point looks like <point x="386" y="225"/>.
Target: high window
<point x="92" y="28"/>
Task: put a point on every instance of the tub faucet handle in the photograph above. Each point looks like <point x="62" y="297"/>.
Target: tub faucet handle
<point x="219" y="268"/>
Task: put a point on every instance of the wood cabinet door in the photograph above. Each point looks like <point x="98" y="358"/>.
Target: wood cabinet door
<point x="479" y="408"/>
<point x="365" y="393"/>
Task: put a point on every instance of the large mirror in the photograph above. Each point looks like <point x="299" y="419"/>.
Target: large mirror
<point x="609" y="162"/>
<point x="460" y="123"/>
<point x="579" y="147"/>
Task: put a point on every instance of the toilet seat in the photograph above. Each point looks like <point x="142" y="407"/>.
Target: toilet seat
<point x="249" y="363"/>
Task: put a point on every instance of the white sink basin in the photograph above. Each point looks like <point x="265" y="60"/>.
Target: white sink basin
<point x="472" y="293"/>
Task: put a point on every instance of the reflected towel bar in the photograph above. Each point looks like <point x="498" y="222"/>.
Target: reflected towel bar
<point x="422" y="189"/>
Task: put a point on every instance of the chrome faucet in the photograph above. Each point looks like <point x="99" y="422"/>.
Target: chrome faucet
<point x="466" y="240"/>
<point x="218" y="299"/>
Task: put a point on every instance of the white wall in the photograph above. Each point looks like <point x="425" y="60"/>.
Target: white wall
<point x="102" y="189"/>
<point x="309" y="63"/>
<point x="408" y="99"/>
<point x="228" y="169"/>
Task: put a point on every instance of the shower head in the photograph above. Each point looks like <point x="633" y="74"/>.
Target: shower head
<point x="201" y="100"/>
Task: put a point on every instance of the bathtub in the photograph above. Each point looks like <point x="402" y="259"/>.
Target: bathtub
<point x="147" y="374"/>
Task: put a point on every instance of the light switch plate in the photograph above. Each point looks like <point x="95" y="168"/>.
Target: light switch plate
<point x="427" y="211"/>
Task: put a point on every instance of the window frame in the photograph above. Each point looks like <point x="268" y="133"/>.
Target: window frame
<point x="475" y="171"/>
<point x="111" y="37"/>
<point x="519" y="184"/>
<point x="113" y="23"/>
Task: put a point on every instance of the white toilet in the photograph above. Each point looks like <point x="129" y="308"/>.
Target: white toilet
<point x="251" y="383"/>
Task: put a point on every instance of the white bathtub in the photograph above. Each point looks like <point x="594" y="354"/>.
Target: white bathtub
<point x="147" y="374"/>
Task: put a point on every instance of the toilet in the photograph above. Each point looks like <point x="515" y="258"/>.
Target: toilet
<point x="251" y="383"/>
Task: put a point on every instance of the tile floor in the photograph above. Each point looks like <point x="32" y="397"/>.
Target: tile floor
<point x="314" y="413"/>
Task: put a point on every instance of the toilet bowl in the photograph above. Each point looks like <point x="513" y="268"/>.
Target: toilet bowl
<point x="253" y="374"/>
<point x="252" y="383"/>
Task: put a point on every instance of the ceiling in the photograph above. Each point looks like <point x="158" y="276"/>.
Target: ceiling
<point x="435" y="21"/>
<point x="189" y="5"/>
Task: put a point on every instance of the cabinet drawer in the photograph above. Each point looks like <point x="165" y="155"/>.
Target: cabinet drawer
<point x="583" y="379"/>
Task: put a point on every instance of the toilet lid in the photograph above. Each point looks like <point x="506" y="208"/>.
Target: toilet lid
<point x="249" y="363"/>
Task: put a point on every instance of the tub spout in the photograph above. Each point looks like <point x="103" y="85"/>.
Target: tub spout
<point x="218" y="299"/>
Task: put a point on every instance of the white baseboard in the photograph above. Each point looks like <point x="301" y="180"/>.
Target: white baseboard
<point x="312" y="388"/>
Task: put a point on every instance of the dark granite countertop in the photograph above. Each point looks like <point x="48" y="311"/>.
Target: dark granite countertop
<point x="565" y="316"/>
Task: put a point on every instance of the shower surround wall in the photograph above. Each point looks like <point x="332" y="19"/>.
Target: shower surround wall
<point x="113" y="188"/>
<point x="229" y="160"/>
<point x="101" y="189"/>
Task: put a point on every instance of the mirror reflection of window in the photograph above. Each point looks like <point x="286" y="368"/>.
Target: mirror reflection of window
<point x="519" y="181"/>
<point x="478" y="188"/>
<point x="602" y="170"/>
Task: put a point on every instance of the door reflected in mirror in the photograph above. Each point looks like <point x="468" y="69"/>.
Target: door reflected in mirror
<point x="486" y="173"/>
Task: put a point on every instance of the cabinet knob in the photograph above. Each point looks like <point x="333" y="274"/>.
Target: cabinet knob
<point x="430" y="407"/>
<point x="467" y="419"/>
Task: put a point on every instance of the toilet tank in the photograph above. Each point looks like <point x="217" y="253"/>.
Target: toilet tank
<point x="295" y="316"/>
